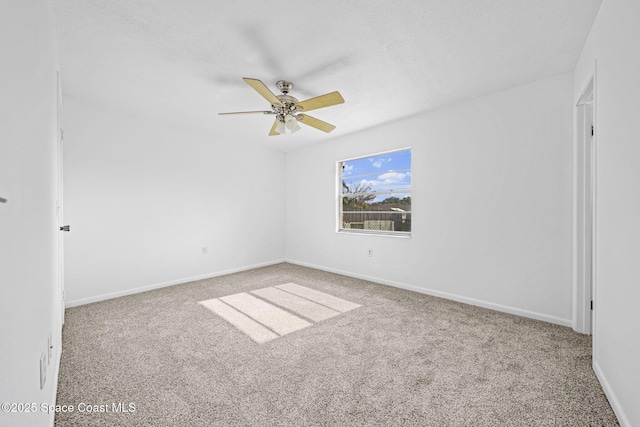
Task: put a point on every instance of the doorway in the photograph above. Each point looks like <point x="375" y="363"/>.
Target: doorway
<point x="584" y="318"/>
<point x="59" y="199"/>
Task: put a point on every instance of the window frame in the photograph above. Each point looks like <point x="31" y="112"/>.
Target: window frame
<point x="340" y="195"/>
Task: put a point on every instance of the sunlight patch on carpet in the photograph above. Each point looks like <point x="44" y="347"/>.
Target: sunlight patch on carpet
<point x="269" y="313"/>
<point x="330" y="301"/>
<point x="246" y="324"/>
<point x="278" y="320"/>
<point x="296" y="304"/>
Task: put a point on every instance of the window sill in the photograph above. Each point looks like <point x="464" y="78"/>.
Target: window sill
<point x="401" y="235"/>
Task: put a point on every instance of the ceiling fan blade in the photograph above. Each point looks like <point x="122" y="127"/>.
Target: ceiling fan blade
<point x="263" y="90"/>
<point x="321" y="101"/>
<point x="247" y="112"/>
<point x="313" y="122"/>
<point x="273" y="132"/>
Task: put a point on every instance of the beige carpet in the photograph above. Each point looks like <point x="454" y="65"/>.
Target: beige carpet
<point x="394" y="358"/>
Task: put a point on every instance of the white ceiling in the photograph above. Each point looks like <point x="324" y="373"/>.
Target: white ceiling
<point x="182" y="61"/>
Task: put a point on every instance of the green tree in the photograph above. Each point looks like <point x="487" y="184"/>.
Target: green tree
<point x="360" y="190"/>
<point x="391" y="201"/>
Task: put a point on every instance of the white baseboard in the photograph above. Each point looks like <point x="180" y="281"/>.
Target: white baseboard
<point x="102" y="297"/>
<point x="611" y="396"/>
<point x="445" y="295"/>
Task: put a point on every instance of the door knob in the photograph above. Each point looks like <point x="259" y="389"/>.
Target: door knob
<point x="65" y="228"/>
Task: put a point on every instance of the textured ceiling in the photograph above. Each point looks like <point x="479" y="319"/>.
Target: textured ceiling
<point x="182" y="61"/>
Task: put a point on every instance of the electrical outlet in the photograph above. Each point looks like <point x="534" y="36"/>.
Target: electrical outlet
<point x="43" y="370"/>
<point x="205" y="250"/>
<point x="370" y="252"/>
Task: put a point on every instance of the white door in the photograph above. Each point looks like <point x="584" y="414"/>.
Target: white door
<point x="59" y="204"/>
<point x="585" y="212"/>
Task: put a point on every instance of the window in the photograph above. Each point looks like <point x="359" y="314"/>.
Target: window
<point x="375" y="194"/>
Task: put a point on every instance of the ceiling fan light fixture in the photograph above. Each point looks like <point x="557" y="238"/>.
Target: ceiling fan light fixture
<point x="291" y="123"/>
<point x="280" y="127"/>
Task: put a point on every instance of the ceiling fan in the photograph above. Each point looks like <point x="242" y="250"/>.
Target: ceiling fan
<point x="288" y="110"/>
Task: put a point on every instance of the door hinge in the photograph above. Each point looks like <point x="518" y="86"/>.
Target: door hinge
<point x="592" y="130"/>
<point x="591" y="305"/>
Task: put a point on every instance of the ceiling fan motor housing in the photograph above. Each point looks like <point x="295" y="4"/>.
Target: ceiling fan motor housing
<point x="288" y="106"/>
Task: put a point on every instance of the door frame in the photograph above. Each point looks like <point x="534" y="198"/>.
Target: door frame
<point x="59" y="196"/>
<point x="584" y="312"/>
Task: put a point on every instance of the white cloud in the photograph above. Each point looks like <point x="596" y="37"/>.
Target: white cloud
<point x="392" y="177"/>
<point x="377" y="164"/>
<point x="386" y="181"/>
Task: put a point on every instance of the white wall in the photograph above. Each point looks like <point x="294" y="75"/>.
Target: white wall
<point x="613" y="43"/>
<point x="143" y="197"/>
<point x="491" y="203"/>
<point x="29" y="301"/>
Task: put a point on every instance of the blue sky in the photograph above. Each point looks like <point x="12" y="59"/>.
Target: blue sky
<point x="383" y="172"/>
